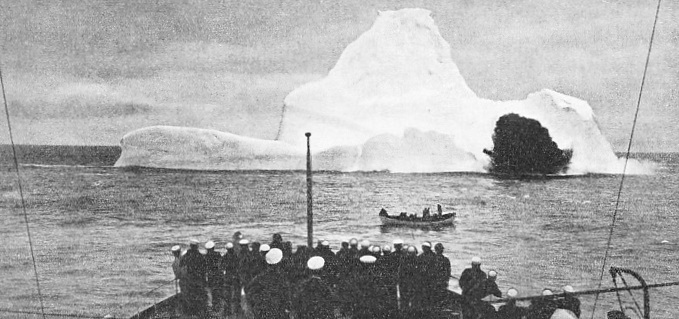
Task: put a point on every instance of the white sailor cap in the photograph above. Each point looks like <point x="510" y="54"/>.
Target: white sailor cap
<point x="194" y="242"/>
<point x="274" y="256"/>
<point x="512" y="293"/>
<point x="568" y="289"/>
<point x="264" y="247"/>
<point x="426" y="244"/>
<point x="243" y="242"/>
<point x="176" y="248"/>
<point x="386" y="248"/>
<point x="315" y="263"/>
<point x="492" y="273"/>
<point x="412" y="249"/>
<point x="368" y="259"/>
<point x="365" y="243"/>
<point x="229" y="245"/>
<point x="210" y="245"/>
<point x="398" y="241"/>
<point x="376" y="249"/>
<point x="353" y="241"/>
<point x="547" y="292"/>
<point x="325" y="243"/>
<point x="476" y="261"/>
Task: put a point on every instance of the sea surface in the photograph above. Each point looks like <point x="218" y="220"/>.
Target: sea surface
<point x="101" y="235"/>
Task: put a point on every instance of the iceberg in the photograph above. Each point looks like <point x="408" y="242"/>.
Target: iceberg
<point x="395" y="101"/>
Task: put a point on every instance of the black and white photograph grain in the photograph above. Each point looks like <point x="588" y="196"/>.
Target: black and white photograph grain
<point x="332" y="159"/>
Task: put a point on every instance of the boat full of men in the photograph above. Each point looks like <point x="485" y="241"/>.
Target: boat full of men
<point x="358" y="281"/>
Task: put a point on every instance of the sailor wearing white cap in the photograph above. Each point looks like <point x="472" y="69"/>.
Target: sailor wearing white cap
<point x="315" y="263"/>
<point x="215" y="278"/>
<point x="570" y="302"/>
<point x="376" y="251"/>
<point x="274" y="256"/>
<point x="313" y="298"/>
<point x="365" y="248"/>
<point x="398" y="246"/>
<point x="442" y="270"/>
<point x="368" y="259"/>
<point x="195" y="294"/>
<point x="426" y="276"/>
<point x="491" y="287"/>
<point x="264" y="248"/>
<point x="472" y="280"/>
<point x="543" y="307"/>
<point x="510" y="310"/>
<point x="179" y="272"/>
<point x="229" y="266"/>
<point x="268" y="294"/>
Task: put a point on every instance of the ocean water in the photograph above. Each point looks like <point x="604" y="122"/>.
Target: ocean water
<point x="102" y="235"/>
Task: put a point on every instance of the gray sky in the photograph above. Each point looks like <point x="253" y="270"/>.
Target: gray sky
<point x="87" y="72"/>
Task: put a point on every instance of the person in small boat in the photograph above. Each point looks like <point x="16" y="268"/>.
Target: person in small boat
<point x="472" y="280"/>
<point x="277" y="241"/>
<point x="439" y="210"/>
<point x="425" y="213"/>
<point x="569" y="302"/>
<point x="214" y="277"/>
<point x="269" y="294"/>
<point x="195" y="298"/>
<point x="544" y="307"/>
<point x="383" y="212"/>
<point x="511" y="310"/>
<point x="229" y="267"/>
<point x="314" y="297"/>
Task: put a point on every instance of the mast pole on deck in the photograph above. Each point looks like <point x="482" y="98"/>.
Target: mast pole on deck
<point x="309" y="200"/>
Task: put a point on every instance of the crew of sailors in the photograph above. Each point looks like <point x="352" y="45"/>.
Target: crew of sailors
<point x="359" y="282"/>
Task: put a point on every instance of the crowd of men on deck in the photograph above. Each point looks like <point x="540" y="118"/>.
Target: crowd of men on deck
<point x="359" y="281"/>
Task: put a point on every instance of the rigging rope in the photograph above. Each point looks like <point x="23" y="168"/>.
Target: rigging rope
<point x="629" y="147"/>
<point x="21" y="194"/>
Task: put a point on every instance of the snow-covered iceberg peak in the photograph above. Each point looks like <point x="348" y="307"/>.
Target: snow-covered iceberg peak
<point x="397" y="75"/>
<point x="403" y="51"/>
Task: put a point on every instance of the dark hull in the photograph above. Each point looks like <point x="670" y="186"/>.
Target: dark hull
<point x="395" y="221"/>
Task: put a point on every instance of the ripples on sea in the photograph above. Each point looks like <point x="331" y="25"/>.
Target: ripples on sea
<point x="102" y="235"/>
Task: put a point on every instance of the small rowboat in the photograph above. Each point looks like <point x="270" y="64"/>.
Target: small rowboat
<point x="447" y="219"/>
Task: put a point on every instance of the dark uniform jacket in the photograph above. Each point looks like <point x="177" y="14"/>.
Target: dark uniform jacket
<point x="472" y="283"/>
<point x="213" y="261"/>
<point x="268" y="294"/>
<point x="314" y="299"/>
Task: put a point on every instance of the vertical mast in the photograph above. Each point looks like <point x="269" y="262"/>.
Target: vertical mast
<point x="309" y="200"/>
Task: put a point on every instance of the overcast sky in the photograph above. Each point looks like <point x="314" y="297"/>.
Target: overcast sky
<point x="89" y="71"/>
